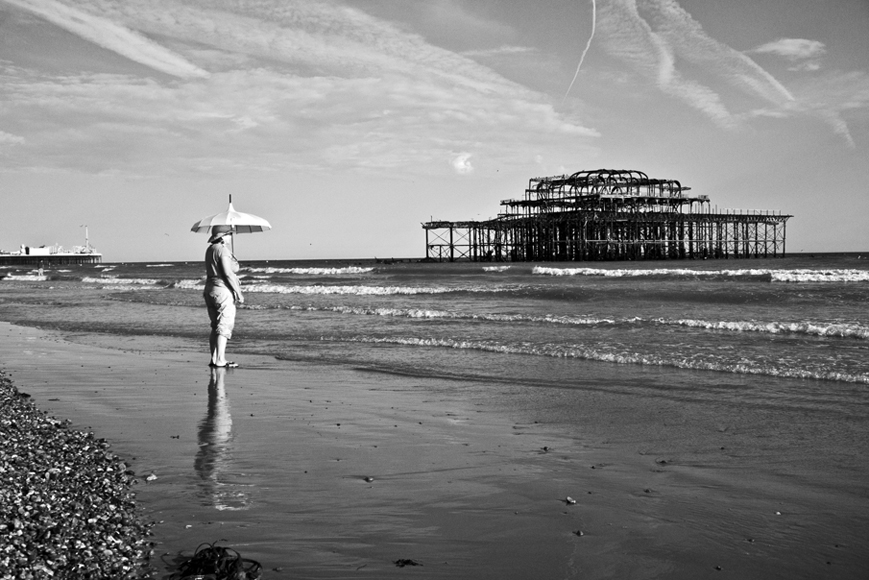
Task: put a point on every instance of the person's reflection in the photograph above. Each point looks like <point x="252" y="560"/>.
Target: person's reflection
<point x="215" y="448"/>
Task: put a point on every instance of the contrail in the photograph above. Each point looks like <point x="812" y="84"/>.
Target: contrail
<point x="587" y="46"/>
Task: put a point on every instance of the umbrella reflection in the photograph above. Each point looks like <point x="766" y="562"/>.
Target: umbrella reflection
<point x="214" y="458"/>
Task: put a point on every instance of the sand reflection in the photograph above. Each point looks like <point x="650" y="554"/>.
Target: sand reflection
<point x="215" y="457"/>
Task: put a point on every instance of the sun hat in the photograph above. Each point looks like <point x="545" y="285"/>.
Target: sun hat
<point x="218" y="232"/>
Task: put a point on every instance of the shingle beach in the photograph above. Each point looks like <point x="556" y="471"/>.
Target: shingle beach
<point x="66" y="504"/>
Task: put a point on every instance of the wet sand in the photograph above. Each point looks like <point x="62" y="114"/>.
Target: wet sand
<point x="327" y="472"/>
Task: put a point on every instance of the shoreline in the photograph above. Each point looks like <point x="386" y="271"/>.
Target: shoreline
<point x="325" y="472"/>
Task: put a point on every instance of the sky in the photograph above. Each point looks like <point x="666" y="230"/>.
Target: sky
<point x="347" y="124"/>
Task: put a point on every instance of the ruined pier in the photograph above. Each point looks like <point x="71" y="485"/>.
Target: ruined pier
<point x="608" y="214"/>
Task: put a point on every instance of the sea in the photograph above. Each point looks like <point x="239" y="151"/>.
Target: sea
<point x="802" y="318"/>
<point x="740" y="386"/>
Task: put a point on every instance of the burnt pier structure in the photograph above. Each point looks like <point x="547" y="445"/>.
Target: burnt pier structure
<point x="608" y="214"/>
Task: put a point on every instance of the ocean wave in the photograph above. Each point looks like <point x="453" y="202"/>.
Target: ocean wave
<point x="159" y="265"/>
<point x="799" y="275"/>
<point x="820" y="275"/>
<point x="358" y="290"/>
<point x="312" y="271"/>
<point x="586" y="353"/>
<point x="810" y="328"/>
<point x="420" y="313"/>
<point x="830" y="329"/>
<point x="25" y="277"/>
<point x="495" y="268"/>
<point x="189" y="284"/>
<point x="122" y="281"/>
<point x="629" y="273"/>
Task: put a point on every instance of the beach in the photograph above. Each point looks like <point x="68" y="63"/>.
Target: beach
<point x="329" y="454"/>
<point x="476" y="483"/>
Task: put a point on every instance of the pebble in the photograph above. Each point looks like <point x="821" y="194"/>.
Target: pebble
<point x="402" y="562"/>
<point x="66" y="507"/>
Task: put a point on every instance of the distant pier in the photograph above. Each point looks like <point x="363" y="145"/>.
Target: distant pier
<point x="608" y="214"/>
<point x="50" y="256"/>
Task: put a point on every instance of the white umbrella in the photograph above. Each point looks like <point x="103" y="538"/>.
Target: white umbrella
<point x="242" y="223"/>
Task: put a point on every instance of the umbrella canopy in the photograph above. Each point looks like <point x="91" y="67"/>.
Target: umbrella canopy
<point x="242" y="223"/>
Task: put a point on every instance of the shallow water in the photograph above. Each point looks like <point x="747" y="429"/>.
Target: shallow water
<point x="795" y="318"/>
<point x="709" y="397"/>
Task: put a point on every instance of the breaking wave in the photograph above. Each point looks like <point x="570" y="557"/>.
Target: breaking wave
<point x="802" y="275"/>
<point x="809" y="328"/>
<point x="190" y="284"/>
<point x="358" y="290"/>
<point x="312" y="271"/>
<point x="122" y="281"/>
<point x="586" y="353"/>
<point x="25" y="277"/>
<point x="820" y="276"/>
<point x="422" y="313"/>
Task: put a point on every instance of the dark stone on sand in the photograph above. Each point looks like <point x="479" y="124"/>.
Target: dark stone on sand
<point x="402" y="562"/>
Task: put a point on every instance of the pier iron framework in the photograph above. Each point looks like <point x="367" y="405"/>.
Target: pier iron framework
<point x="608" y="214"/>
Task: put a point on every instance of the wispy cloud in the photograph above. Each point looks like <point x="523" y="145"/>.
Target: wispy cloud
<point x="289" y="84"/>
<point x="9" y="139"/>
<point x="832" y="97"/>
<point x="452" y="14"/>
<point x="500" y="51"/>
<point x="805" y="55"/>
<point x="654" y="35"/>
<point x="792" y="48"/>
<point x="112" y="36"/>
<point x="691" y="43"/>
<point x="629" y="37"/>
<point x="653" y="41"/>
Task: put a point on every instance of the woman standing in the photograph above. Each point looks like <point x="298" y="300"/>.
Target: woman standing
<point x="222" y="291"/>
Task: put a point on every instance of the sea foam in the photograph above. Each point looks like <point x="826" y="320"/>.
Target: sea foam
<point x="809" y="328"/>
<point x="364" y="290"/>
<point x="586" y="353"/>
<point x="122" y="281"/>
<point x="312" y="271"/>
<point x="25" y="277"/>
<point x="354" y="290"/>
<point x="451" y="315"/>
<point x="800" y="275"/>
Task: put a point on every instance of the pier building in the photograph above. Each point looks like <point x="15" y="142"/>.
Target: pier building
<point x="50" y="256"/>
